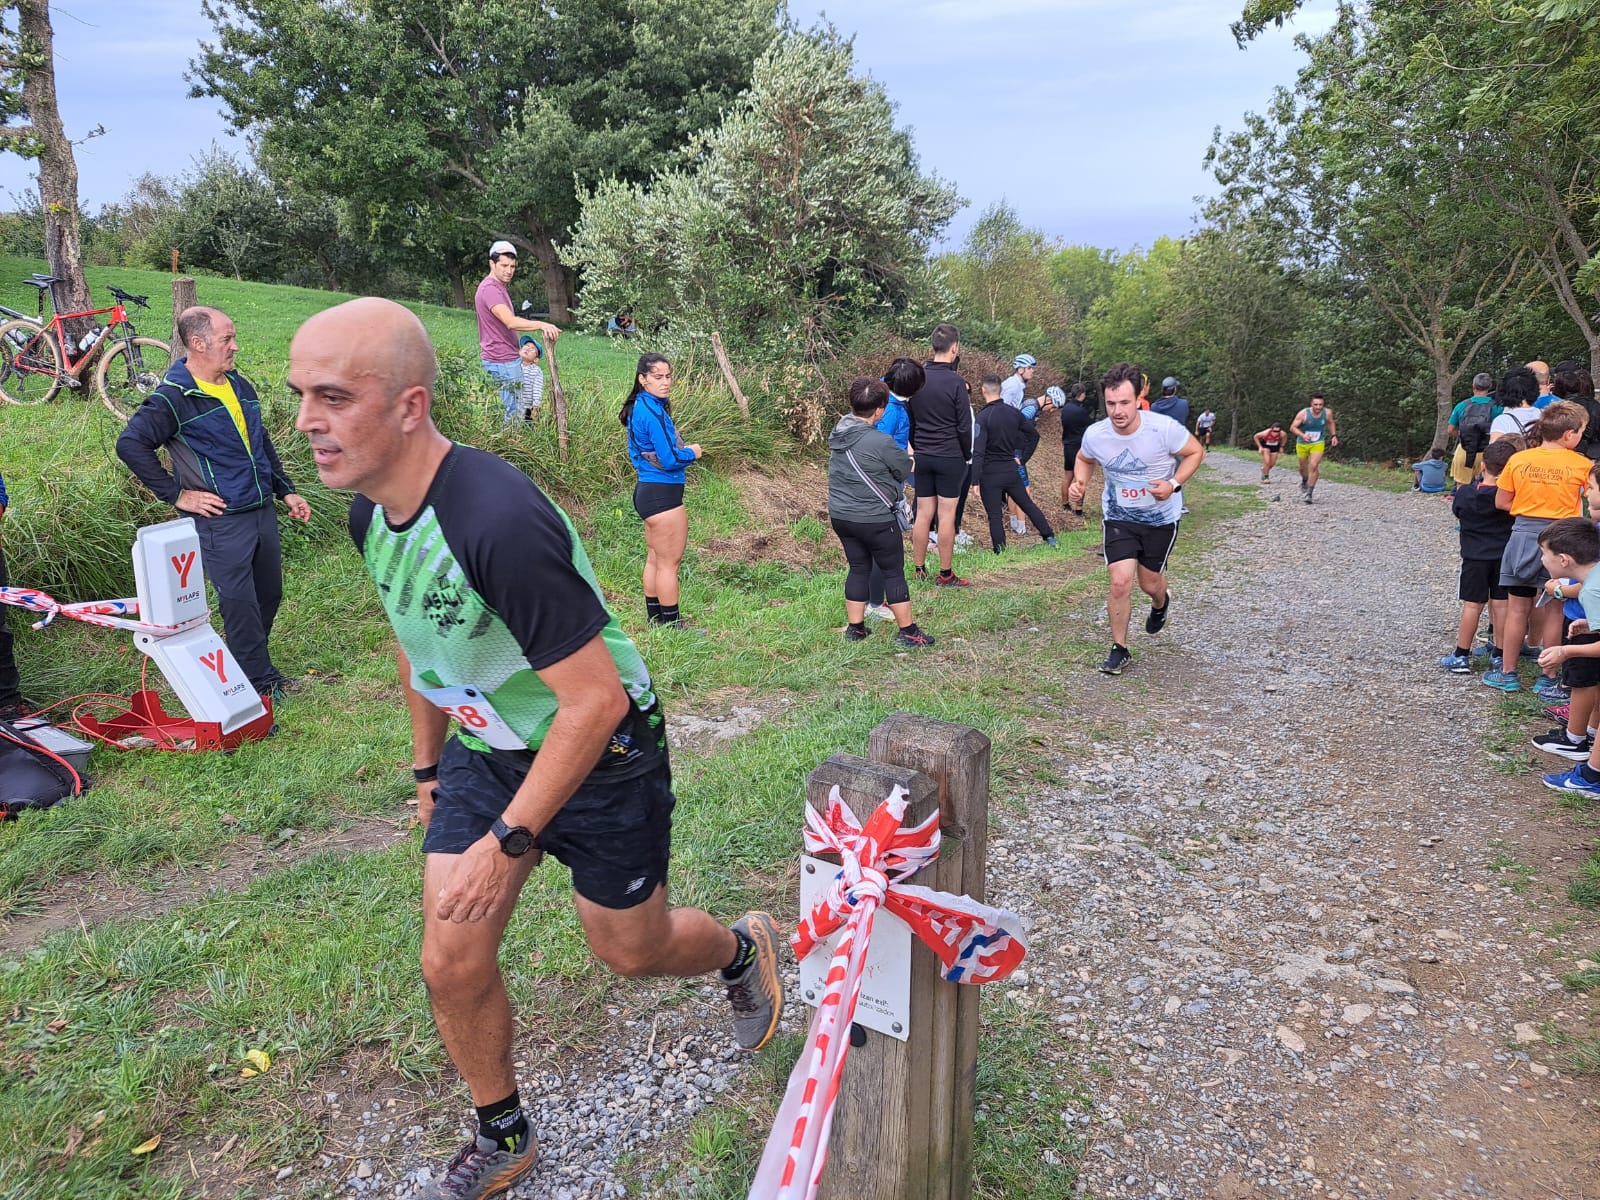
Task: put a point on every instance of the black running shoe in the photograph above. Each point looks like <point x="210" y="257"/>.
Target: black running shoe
<point x="1115" y="661"/>
<point x="856" y="633"/>
<point x="912" y="636"/>
<point x="1556" y="742"/>
<point x="1157" y="619"/>
<point x="921" y="574"/>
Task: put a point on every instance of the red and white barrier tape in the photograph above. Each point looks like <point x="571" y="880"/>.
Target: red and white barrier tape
<point x="105" y="613"/>
<point x="975" y="944"/>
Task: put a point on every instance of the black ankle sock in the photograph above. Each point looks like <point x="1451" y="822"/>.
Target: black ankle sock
<point x="946" y="572"/>
<point x="652" y="608"/>
<point x="860" y="625"/>
<point x="1463" y="651"/>
<point x="504" y="1123"/>
<point x="742" y="957"/>
<point x="1119" y="646"/>
<point x="668" y="615"/>
<point x="1585" y="771"/>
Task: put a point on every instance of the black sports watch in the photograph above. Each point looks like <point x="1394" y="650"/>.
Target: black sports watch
<point x="515" y="840"/>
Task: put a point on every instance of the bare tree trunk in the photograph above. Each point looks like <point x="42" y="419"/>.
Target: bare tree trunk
<point x="58" y="170"/>
<point x="458" y="285"/>
<point x="1444" y="385"/>
<point x="542" y="244"/>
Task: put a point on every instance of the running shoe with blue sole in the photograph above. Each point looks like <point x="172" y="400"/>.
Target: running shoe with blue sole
<point x="1456" y="664"/>
<point x="1550" y="690"/>
<point x="1505" y="681"/>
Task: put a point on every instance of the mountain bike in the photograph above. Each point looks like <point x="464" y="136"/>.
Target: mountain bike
<point x="38" y="358"/>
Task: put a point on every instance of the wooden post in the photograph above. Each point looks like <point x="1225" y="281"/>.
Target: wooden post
<point x="174" y="250"/>
<point x="558" y="398"/>
<point x="956" y="758"/>
<point x="903" y="1126"/>
<point x="727" y="373"/>
<point x="183" y="296"/>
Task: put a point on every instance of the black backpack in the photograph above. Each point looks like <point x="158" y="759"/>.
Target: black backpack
<point x="1475" y="422"/>
<point x="1590" y="445"/>
<point x="29" y="777"/>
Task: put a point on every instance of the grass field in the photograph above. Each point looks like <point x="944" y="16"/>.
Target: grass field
<point x="126" y="1029"/>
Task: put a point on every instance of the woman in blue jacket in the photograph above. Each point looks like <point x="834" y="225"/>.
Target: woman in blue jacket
<point x="660" y="457"/>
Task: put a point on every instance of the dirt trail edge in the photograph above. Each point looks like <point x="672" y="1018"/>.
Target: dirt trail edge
<point x="1264" y="915"/>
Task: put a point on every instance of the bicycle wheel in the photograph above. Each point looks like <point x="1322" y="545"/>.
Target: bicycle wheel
<point x="129" y="371"/>
<point x="30" y="363"/>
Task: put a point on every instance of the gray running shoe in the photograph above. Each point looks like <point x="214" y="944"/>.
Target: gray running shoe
<point x="481" y="1170"/>
<point x="1017" y="527"/>
<point x="756" y="993"/>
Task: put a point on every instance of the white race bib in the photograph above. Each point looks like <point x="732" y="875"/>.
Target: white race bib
<point x="470" y="709"/>
<point x="1311" y="439"/>
<point x="1134" y="495"/>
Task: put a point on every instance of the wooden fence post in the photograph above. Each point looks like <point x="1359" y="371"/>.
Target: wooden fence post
<point x="558" y="398"/>
<point x="956" y="758"/>
<point x="183" y="296"/>
<point x="903" y="1125"/>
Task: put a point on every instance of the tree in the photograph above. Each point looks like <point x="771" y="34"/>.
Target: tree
<point x="28" y="87"/>
<point x="1002" y="281"/>
<point x="803" y="218"/>
<point x="1360" y="170"/>
<point x="447" y="123"/>
<point x="1125" y="324"/>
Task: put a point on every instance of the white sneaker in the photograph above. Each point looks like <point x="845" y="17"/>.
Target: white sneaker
<point x="881" y="611"/>
<point x="1017" y="527"/>
<point x="933" y="537"/>
<point x="963" y="540"/>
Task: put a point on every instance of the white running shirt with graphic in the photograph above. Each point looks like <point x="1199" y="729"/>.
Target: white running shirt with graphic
<point x="1132" y="462"/>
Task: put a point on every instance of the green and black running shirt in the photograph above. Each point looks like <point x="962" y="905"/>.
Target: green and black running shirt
<point x="485" y="586"/>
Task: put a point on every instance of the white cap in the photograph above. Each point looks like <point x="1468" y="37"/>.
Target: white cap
<point x="503" y="247"/>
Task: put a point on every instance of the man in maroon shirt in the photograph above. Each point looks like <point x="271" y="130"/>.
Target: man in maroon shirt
<point x="498" y="326"/>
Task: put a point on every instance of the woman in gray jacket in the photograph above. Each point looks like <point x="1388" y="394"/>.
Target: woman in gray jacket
<point x="866" y="471"/>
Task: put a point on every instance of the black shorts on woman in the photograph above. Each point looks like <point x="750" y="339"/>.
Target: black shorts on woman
<point x="652" y="499"/>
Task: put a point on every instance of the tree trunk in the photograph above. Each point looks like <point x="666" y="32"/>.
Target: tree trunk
<point x="458" y="285"/>
<point x="557" y="292"/>
<point x="58" y="170"/>
<point x="1444" y="399"/>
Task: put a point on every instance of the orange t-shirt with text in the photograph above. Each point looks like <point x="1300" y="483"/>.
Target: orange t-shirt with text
<point x="1546" y="481"/>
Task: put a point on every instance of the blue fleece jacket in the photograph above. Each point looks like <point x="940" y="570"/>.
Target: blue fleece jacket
<point x="896" y="421"/>
<point x="654" y="447"/>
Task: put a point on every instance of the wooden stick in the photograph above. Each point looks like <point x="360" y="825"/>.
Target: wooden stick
<point x="558" y="398"/>
<point x="727" y="373"/>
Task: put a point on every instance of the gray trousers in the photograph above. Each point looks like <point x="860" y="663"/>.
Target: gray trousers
<point x="244" y="562"/>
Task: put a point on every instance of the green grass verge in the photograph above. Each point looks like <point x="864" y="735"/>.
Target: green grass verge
<point x="1383" y="476"/>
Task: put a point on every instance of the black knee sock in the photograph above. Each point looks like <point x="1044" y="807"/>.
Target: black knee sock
<point x="652" y="608"/>
<point x="504" y="1123"/>
<point x="668" y="615"/>
<point x="742" y="957"/>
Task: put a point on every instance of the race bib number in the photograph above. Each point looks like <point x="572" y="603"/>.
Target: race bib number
<point x="1136" y="495"/>
<point x="470" y="708"/>
<point x="1311" y="439"/>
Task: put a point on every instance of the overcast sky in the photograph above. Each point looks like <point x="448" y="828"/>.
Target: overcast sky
<point x="1022" y="100"/>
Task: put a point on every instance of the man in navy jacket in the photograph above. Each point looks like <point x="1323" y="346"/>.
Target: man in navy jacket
<point x="226" y="475"/>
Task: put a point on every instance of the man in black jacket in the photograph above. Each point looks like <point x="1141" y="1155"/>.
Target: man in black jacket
<point x="941" y="436"/>
<point x="996" y="465"/>
<point x="225" y="474"/>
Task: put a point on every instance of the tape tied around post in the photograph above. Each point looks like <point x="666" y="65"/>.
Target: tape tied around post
<point x="974" y="943"/>
<point x="109" y="614"/>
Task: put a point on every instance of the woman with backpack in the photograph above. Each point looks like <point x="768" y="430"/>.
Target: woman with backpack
<point x="1516" y="394"/>
<point x="1470" y="423"/>
<point x="661" y="458"/>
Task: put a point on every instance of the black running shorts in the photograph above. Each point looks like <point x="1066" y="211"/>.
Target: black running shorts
<point x="1581" y="672"/>
<point x="1150" y="544"/>
<point x="613" y="834"/>
<point x="940" y="475"/>
<point x="1069" y="454"/>
<point x="652" y="498"/>
<point x="1480" y="581"/>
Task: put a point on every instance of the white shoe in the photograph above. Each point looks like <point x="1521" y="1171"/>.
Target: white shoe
<point x="963" y="539"/>
<point x="933" y="537"/>
<point x="881" y="611"/>
<point x="1017" y="527"/>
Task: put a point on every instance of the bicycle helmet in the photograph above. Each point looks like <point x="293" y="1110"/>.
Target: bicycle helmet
<point x="1056" y="396"/>
<point x="1024" y="360"/>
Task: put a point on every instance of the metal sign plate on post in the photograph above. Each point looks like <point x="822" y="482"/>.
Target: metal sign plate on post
<point x="885" y="1001"/>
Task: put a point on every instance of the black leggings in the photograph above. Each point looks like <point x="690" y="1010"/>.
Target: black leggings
<point x="865" y="545"/>
<point x="993" y="491"/>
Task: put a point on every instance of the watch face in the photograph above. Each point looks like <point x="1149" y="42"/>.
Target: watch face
<point x="517" y="842"/>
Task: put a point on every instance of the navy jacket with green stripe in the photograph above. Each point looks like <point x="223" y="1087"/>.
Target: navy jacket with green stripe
<point x="200" y="436"/>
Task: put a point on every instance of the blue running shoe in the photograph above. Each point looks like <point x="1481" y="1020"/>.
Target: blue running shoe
<point x="1571" y="781"/>
<point x="1483" y="648"/>
<point x="1550" y="690"/>
<point x="1456" y="664"/>
<point x="1505" y="681"/>
<point x="1530" y="652"/>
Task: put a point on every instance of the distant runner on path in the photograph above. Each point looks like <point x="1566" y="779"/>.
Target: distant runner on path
<point x="1147" y="458"/>
<point x="1269" y="444"/>
<point x="560" y="746"/>
<point x="1314" y="431"/>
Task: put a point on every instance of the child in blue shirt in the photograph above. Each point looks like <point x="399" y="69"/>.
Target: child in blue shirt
<point x="1430" y="472"/>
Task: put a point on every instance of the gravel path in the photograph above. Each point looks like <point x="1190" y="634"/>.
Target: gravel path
<point x="1262" y="911"/>
<point x="1262" y="908"/>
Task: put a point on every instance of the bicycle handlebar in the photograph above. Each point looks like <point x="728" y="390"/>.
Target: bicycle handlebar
<point x="141" y="301"/>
